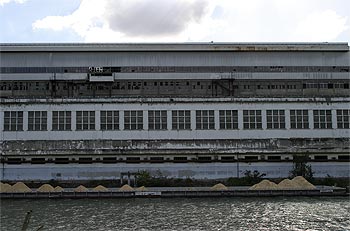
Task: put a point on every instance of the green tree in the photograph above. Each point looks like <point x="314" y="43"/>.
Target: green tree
<point x="301" y="168"/>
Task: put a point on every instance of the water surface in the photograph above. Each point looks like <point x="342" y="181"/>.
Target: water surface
<point x="281" y="213"/>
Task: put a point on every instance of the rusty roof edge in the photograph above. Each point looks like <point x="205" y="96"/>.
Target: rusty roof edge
<point x="69" y="47"/>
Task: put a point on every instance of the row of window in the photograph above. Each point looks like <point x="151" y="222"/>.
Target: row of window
<point x="180" y="119"/>
<point x="161" y="159"/>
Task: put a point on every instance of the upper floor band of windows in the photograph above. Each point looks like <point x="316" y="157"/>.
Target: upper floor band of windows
<point x="176" y="120"/>
<point x="177" y="69"/>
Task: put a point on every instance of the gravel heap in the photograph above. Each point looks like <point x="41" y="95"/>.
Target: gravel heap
<point x="45" y="188"/>
<point x="4" y="187"/>
<point x="19" y="187"/>
<point x="81" y="188"/>
<point x="264" y="185"/>
<point x="100" y="188"/>
<point x="126" y="187"/>
<point x="219" y="187"/>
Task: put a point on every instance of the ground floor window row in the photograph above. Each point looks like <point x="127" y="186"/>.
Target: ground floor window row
<point x="174" y="159"/>
<point x="179" y="120"/>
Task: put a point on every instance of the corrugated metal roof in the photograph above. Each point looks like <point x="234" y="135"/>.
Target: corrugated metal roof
<point x="69" y="47"/>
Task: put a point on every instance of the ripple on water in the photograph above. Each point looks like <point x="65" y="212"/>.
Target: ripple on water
<point x="180" y="214"/>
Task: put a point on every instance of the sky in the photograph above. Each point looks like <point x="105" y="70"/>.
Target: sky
<point x="119" y="21"/>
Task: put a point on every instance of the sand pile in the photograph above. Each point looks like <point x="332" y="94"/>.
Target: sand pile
<point x="300" y="182"/>
<point x="126" y="188"/>
<point x="264" y="185"/>
<point x="286" y="184"/>
<point x="19" y="187"/>
<point x="219" y="187"/>
<point x="58" y="189"/>
<point x="81" y="188"/>
<point x="100" y="188"/>
<point x="4" y="187"/>
<point x="142" y="188"/>
<point x="45" y="188"/>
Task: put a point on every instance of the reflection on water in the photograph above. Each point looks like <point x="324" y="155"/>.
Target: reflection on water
<point x="180" y="214"/>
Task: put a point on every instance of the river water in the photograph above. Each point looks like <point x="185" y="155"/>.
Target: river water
<point x="281" y="213"/>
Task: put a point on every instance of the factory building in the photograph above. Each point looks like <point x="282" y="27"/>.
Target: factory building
<point x="199" y="110"/>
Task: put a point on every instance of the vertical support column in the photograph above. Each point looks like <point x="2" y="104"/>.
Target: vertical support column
<point x="2" y="116"/>
<point x="97" y="120"/>
<point x="216" y="120"/>
<point x="311" y="119"/>
<point x="334" y="119"/>
<point x="121" y="120"/>
<point x="240" y="119"/>
<point x="25" y="120"/>
<point x="169" y="120"/>
<point x="74" y="121"/>
<point x="145" y="120"/>
<point x="263" y="119"/>
<point x="49" y="120"/>
<point x="287" y="118"/>
<point x="193" y="120"/>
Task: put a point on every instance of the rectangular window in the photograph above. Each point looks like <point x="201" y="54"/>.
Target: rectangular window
<point x="37" y="120"/>
<point x="205" y="120"/>
<point x="181" y="120"/>
<point x="85" y="120"/>
<point x="299" y="119"/>
<point x="61" y="120"/>
<point x="13" y="121"/>
<point x="228" y="119"/>
<point x="252" y="119"/>
<point x="157" y="120"/>
<point x="109" y="120"/>
<point x="322" y="119"/>
<point x="275" y="119"/>
<point x="133" y="120"/>
<point x="343" y="117"/>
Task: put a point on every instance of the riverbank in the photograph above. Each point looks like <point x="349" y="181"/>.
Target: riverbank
<point x="168" y="192"/>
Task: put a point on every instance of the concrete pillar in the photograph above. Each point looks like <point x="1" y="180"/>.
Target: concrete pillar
<point x="311" y="119"/>
<point x="287" y="118"/>
<point x="217" y="119"/>
<point x="334" y="119"/>
<point x="145" y="120"/>
<point x="25" y="120"/>
<point x="169" y="120"/>
<point x="49" y="120"/>
<point x="74" y="120"/>
<point x="97" y="120"/>
<point x="121" y="120"/>
<point x="263" y="119"/>
<point x="240" y="119"/>
<point x="193" y="120"/>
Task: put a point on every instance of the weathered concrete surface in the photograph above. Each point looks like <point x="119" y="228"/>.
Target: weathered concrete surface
<point x="93" y="147"/>
<point x="29" y="172"/>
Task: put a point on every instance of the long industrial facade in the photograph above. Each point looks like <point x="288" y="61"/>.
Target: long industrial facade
<point x="93" y="111"/>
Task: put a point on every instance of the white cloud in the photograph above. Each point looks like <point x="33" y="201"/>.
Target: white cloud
<point x="3" y="2"/>
<point x="202" y="20"/>
<point x="321" y="26"/>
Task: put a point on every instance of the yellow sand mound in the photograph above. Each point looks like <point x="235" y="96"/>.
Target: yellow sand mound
<point x="45" y="188"/>
<point x="81" y="188"/>
<point x="126" y="188"/>
<point x="219" y="187"/>
<point x="264" y="185"/>
<point x="301" y="183"/>
<point x="100" y="188"/>
<point x="4" y="187"/>
<point x="19" y="187"/>
<point x="58" y="189"/>
<point x="286" y="184"/>
<point x="142" y="188"/>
